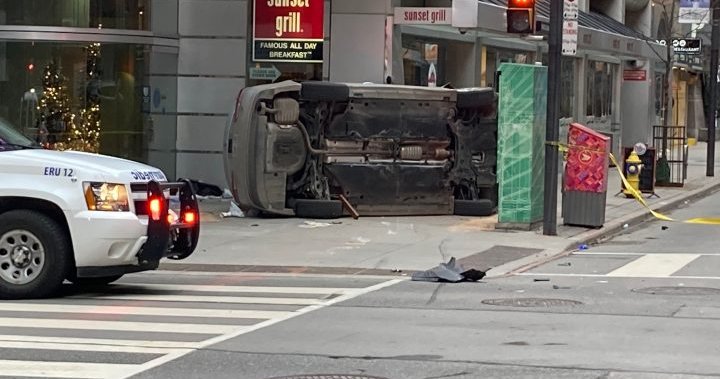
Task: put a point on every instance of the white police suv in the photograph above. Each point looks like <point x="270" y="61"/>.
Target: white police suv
<point x="83" y="217"/>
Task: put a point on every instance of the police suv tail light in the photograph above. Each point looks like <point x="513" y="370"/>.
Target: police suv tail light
<point x="189" y="217"/>
<point x="155" y="208"/>
<point x="110" y="197"/>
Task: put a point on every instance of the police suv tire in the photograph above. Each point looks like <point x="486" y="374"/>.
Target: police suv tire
<point x="51" y="238"/>
<point x="482" y="207"/>
<point x="322" y="209"/>
<point x="95" y="281"/>
<point x="324" y="91"/>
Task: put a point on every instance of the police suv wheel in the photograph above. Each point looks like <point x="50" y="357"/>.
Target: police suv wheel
<point x="34" y="255"/>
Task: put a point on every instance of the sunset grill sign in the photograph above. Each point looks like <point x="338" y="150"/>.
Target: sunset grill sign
<point x="288" y="31"/>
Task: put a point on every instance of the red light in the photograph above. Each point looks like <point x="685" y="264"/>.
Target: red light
<point x="30" y="67"/>
<point x="154" y="206"/>
<point x="189" y="217"/>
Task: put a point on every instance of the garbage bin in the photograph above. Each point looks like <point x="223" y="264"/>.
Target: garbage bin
<point x="585" y="177"/>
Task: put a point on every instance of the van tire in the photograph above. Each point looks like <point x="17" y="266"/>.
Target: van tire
<point x="324" y="91"/>
<point x="41" y="236"/>
<point x="321" y="209"/>
<point x="482" y="207"/>
<point x="476" y="98"/>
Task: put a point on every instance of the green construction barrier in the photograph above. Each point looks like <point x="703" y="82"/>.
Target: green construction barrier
<point x="521" y="149"/>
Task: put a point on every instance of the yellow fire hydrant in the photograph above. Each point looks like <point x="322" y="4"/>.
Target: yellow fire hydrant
<point x="633" y="166"/>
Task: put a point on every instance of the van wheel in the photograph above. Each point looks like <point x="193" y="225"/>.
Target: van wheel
<point x="482" y="207"/>
<point x="324" y="91"/>
<point x="94" y="281"/>
<point x="34" y="255"/>
<point x="322" y="209"/>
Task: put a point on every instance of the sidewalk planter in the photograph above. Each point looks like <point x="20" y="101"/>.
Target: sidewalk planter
<point x="521" y="150"/>
<point x="586" y="177"/>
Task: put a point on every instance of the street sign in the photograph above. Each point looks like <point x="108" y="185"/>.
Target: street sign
<point x="570" y="10"/>
<point x="569" y="37"/>
<point x="570" y="28"/>
<point x="265" y="73"/>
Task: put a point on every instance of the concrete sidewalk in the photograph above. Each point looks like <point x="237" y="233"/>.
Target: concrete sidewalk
<point x="398" y="245"/>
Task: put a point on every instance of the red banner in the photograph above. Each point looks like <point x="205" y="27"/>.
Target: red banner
<point x="288" y="30"/>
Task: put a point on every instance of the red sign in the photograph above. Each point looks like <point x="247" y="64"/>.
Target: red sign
<point x="587" y="160"/>
<point x="288" y="30"/>
<point x="635" y="75"/>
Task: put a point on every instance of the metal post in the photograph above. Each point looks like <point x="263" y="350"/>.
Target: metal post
<point x="710" y="164"/>
<point x="552" y="127"/>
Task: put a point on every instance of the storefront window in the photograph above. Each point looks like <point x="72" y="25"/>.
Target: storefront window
<point x="106" y="14"/>
<point x="600" y="79"/>
<point x="418" y="57"/>
<point x="89" y="97"/>
<point x="567" y="87"/>
<point x="495" y="57"/>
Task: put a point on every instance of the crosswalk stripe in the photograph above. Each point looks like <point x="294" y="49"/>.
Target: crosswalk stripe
<point x="145" y="311"/>
<point x="117" y="325"/>
<point x="174" y="345"/>
<point x="653" y="265"/>
<point x="203" y="299"/>
<point x="43" y="369"/>
<point x="239" y="289"/>
<point x="85" y="347"/>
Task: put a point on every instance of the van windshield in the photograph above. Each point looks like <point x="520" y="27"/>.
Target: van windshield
<point x="11" y="139"/>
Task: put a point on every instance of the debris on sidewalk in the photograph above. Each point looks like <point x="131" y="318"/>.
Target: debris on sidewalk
<point x="314" y="224"/>
<point x="541" y="280"/>
<point x="557" y="287"/>
<point x="234" y="211"/>
<point x="664" y="227"/>
<point x="565" y="264"/>
<point x="583" y="247"/>
<point x="449" y="272"/>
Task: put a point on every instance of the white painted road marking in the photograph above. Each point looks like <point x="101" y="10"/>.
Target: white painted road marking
<point x="61" y="369"/>
<point x="145" y="311"/>
<point x="204" y="299"/>
<point x="654" y="265"/>
<point x="241" y="289"/>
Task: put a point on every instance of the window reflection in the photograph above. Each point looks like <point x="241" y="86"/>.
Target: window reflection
<point x="86" y="97"/>
<point x="599" y="88"/>
<point x="106" y="14"/>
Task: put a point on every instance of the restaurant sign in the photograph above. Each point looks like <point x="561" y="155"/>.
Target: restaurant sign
<point x="288" y="31"/>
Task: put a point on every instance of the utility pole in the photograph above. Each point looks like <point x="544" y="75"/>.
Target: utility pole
<point x="553" y="110"/>
<point x="710" y="164"/>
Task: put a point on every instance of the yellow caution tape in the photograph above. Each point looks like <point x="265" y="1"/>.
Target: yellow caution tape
<point x="563" y="147"/>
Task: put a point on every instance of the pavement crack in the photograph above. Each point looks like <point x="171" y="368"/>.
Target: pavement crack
<point x="434" y="295"/>
<point x="442" y="250"/>
<point x="461" y="373"/>
<point x="678" y="310"/>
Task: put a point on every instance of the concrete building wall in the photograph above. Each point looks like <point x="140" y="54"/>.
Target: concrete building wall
<point x="357" y="46"/>
<point x="211" y="71"/>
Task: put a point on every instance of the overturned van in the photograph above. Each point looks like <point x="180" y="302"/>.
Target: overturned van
<point x="323" y="149"/>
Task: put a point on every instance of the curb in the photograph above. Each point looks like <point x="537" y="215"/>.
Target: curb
<point x="615" y="226"/>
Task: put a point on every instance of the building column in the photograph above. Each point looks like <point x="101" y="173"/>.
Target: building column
<point x="357" y="40"/>
<point x="637" y="105"/>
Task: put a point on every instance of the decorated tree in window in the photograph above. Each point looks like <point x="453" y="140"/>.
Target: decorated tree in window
<point x="54" y="108"/>
<point x="85" y="134"/>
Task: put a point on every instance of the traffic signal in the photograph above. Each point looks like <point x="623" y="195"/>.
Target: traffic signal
<point x="521" y="16"/>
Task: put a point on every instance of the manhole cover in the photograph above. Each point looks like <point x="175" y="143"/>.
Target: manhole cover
<point x="687" y="291"/>
<point x="328" y="376"/>
<point x="532" y="302"/>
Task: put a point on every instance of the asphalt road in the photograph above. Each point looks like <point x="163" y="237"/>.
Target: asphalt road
<point x="643" y="305"/>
